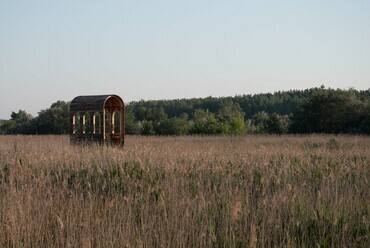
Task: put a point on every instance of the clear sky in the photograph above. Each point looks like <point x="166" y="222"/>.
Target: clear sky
<point x="166" y="49"/>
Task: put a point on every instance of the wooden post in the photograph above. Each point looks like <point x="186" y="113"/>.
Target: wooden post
<point x="73" y="123"/>
<point x="102" y="125"/>
<point x="92" y="122"/>
<point x="82" y="122"/>
<point x="112" y="121"/>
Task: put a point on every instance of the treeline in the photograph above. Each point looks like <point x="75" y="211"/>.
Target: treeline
<point x="54" y="120"/>
<point x="316" y="110"/>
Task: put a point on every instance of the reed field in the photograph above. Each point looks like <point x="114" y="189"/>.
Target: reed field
<point x="250" y="191"/>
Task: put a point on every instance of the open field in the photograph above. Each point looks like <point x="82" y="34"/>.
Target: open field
<point x="248" y="191"/>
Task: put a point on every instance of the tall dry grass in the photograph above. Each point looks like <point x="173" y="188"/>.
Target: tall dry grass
<point x="248" y="191"/>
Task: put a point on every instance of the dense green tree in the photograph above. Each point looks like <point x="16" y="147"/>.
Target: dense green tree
<point x="7" y="125"/>
<point x="260" y="122"/>
<point x="237" y="126"/>
<point x="231" y="119"/>
<point x="204" y="122"/>
<point x="131" y="125"/>
<point x="364" y="126"/>
<point x="20" y="123"/>
<point x="330" y="111"/>
<point x="277" y="124"/>
<point x="21" y="117"/>
<point x="157" y="115"/>
<point x="146" y="128"/>
<point x="174" y="126"/>
<point x="54" y="120"/>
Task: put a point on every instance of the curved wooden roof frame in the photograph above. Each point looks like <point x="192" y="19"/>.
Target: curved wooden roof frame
<point x="88" y="111"/>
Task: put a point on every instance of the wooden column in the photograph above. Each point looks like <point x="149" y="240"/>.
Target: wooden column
<point x="92" y="122"/>
<point x="112" y="121"/>
<point x="82" y="122"/>
<point x="102" y="124"/>
<point x="72" y="121"/>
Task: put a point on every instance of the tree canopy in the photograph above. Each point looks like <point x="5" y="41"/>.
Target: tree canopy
<point x="332" y="111"/>
<point x="316" y="110"/>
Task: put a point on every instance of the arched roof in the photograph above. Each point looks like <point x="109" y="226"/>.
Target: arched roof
<point x="95" y="103"/>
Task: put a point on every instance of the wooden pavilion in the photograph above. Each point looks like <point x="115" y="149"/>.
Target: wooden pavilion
<point x="98" y="118"/>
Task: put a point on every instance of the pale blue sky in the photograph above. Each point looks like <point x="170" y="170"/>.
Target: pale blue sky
<point x="55" y="50"/>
